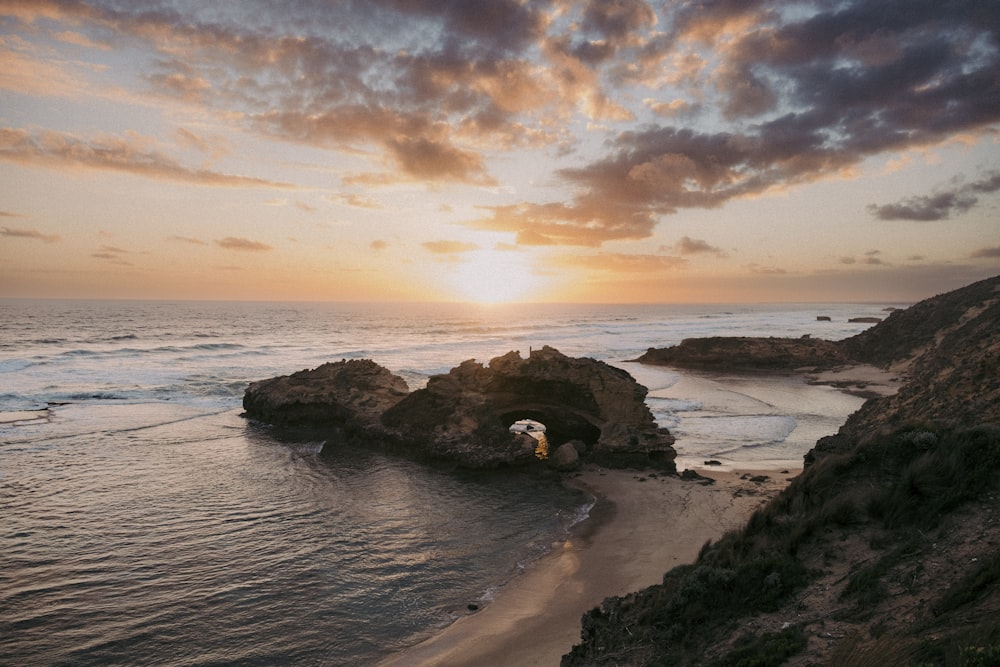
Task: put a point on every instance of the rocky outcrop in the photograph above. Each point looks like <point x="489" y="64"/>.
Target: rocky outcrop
<point x="953" y="370"/>
<point x="885" y="550"/>
<point x="748" y="353"/>
<point x="576" y="398"/>
<point x="464" y="416"/>
<point x="345" y="393"/>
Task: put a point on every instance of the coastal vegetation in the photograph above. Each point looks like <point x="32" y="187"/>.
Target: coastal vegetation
<point x="886" y="550"/>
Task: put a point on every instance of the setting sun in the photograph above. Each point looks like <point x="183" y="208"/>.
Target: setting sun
<point x="494" y="276"/>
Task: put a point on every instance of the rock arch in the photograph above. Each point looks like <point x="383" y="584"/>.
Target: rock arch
<point x="463" y="416"/>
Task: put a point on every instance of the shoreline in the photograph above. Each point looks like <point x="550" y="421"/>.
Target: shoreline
<point x="620" y="548"/>
<point x="642" y="525"/>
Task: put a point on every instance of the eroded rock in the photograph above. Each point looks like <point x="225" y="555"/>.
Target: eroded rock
<point x="463" y="416"/>
<point x="348" y="392"/>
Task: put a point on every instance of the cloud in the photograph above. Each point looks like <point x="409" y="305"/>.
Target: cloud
<point x="242" y="244"/>
<point x="112" y="255"/>
<point x="21" y="71"/>
<point x="214" y="147"/>
<point x="357" y="201"/>
<point x="765" y="270"/>
<point x="426" y="159"/>
<point x="588" y="223"/>
<point x="129" y="153"/>
<point x="186" y="239"/>
<point x="689" y="246"/>
<point x="939" y="206"/>
<point x="71" y="37"/>
<point x="623" y="262"/>
<point x="449" y="247"/>
<point x="986" y="253"/>
<point x="431" y="91"/>
<point x="811" y="94"/>
<point x="20" y="233"/>
<point x="378" y="244"/>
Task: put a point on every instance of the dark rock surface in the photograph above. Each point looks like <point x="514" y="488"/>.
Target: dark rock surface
<point x="748" y="353"/>
<point x="354" y="392"/>
<point x="463" y="416"/>
<point x="886" y="550"/>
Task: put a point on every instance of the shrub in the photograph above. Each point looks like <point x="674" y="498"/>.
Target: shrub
<point x="769" y="650"/>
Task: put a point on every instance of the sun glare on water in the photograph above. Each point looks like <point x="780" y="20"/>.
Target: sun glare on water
<point x="493" y="276"/>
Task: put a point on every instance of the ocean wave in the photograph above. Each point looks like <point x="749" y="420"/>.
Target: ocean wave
<point x="14" y="365"/>
<point x="97" y="396"/>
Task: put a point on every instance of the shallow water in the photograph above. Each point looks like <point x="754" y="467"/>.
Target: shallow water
<point x="195" y="539"/>
<point x="146" y="522"/>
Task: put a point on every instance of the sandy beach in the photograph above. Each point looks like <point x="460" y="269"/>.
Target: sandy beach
<point x="641" y="526"/>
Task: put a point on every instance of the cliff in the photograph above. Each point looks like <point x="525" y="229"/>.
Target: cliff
<point x="593" y="412"/>
<point x="886" y="550"/>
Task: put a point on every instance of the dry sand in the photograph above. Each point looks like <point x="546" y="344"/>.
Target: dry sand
<point x="640" y="527"/>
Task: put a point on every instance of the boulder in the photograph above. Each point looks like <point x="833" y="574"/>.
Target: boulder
<point x="565" y="458"/>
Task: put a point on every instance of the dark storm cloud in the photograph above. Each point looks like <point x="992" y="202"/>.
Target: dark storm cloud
<point x="941" y="205"/>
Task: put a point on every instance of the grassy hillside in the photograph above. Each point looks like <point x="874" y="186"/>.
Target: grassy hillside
<point x="885" y="551"/>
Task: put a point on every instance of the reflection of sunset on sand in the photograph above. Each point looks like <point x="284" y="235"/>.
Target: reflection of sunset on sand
<point x="641" y="526"/>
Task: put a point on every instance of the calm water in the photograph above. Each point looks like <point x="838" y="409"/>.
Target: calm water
<point x="145" y="522"/>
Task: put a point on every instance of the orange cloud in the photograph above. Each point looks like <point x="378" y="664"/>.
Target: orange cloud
<point x="129" y="153"/>
<point x="242" y="244"/>
<point x="624" y="263"/>
<point x="589" y="223"/>
<point x="689" y="246"/>
<point x="20" y="233"/>
<point x="449" y="247"/>
<point x="186" y="239"/>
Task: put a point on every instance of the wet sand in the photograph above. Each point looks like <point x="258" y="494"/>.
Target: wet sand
<point x="640" y="527"/>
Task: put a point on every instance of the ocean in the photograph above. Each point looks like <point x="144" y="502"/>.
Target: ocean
<point x="146" y="522"/>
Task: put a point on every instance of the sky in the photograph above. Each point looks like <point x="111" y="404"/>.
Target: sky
<point x="606" y="151"/>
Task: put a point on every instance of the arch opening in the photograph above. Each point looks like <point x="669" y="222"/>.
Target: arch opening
<point x="560" y="425"/>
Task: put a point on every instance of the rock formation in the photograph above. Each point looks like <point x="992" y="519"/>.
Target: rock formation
<point x="463" y="416"/>
<point x="886" y="550"/>
<point x="748" y="353"/>
<point x="340" y="394"/>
